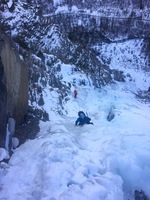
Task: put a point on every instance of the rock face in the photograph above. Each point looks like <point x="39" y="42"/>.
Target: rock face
<point x="3" y="104"/>
<point x="112" y="28"/>
<point x="91" y="4"/>
<point x="14" y="90"/>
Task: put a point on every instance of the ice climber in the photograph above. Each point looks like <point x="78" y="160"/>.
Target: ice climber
<point x="82" y="119"/>
<point x="75" y="93"/>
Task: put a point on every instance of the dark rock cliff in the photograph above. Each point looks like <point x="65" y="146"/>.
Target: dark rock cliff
<point x="14" y="88"/>
<point x="111" y="28"/>
<point x="49" y="6"/>
<point x="3" y="104"/>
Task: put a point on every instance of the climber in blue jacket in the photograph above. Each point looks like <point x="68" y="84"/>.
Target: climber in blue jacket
<point x="82" y="119"/>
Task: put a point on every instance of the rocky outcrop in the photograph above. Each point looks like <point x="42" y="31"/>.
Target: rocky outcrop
<point x="109" y="27"/>
<point x="3" y="104"/>
<point x="139" y="195"/>
<point x="51" y="6"/>
<point x="15" y="85"/>
<point x="114" y="19"/>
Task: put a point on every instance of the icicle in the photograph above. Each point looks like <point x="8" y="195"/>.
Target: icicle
<point x="7" y="138"/>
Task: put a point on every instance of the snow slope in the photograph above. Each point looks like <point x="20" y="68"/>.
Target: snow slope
<point x="107" y="161"/>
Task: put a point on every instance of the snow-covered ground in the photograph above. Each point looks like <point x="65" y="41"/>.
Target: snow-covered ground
<point x="105" y="161"/>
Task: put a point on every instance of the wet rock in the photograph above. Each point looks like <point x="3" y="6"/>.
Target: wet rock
<point x="16" y="74"/>
<point x="3" y="105"/>
<point x="139" y="195"/>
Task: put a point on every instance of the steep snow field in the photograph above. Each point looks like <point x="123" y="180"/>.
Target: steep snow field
<point x="127" y="56"/>
<point x="105" y="161"/>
